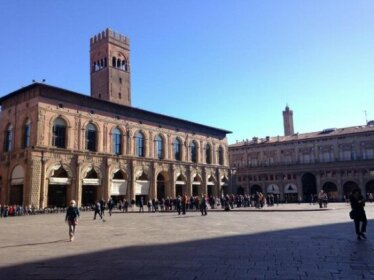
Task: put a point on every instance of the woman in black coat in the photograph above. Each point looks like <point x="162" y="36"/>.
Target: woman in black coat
<point x="358" y="213"/>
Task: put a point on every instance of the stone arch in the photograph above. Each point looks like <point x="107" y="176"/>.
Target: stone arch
<point x="162" y="182"/>
<point x="369" y="187"/>
<point x="309" y="185"/>
<point x="255" y="188"/>
<point x="348" y="187"/>
<point x="52" y="168"/>
<point x="17" y="181"/>
<point x="331" y="190"/>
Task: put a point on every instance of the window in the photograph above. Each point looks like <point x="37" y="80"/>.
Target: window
<point x="116" y="141"/>
<point x="220" y="156"/>
<point x="26" y="134"/>
<point x="59" y="133"/>
<point x="208" y="156"/>
<point x="91" y="137"/>
<point x="159" y="147"/>
<point x="114" y="61"/>
<point x="8" y="139"/>
<point x="193" y="149"/>
<point x="139" y="145"/>
<point x="177" y="147"/>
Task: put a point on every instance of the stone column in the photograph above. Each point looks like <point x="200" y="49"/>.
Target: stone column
<point x="153" y="182"/>
<point x="188" y="181"/>
<point x="78" y="182"/>
<point x="131" y="186"/>
<point x="35" y="192"/>
<point x="172" y="182"/>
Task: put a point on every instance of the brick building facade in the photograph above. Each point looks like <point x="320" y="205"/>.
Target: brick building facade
<point x="60" y="145"/>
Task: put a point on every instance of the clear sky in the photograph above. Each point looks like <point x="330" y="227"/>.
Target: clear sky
<point x="228" y="64"/>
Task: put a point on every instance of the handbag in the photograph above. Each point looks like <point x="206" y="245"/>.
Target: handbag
<point x="352" y="214"/>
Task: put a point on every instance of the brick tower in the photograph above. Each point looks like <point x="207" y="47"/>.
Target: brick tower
<point x="288" y="121"/>
<point x="110" y="67"/>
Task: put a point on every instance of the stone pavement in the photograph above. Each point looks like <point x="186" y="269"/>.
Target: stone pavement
<point x="290" y="243"/>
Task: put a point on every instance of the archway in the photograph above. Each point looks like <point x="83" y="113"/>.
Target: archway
<point x="224" y="186"/>
<point x="255" y="189"/>
<point x="290" y="193"/>
<point x="272" y="189"/>
<point x="91" y="183"/>
<point x="370" y="190"/>
<point x="16" y="186"/>
<point x="57" y="188"/>
<point x="348" y="187"/>
<point x="141" y="187"/>
<point x="196" y="185"/>
<point x="180" y="185"/>
<point x="240" y="190"/>
<point x="211" y="186"/>
<point x="331" y="190"/>
<point x="309" y="185"/>
<point x="161" y="181"/>
<point x="118" y="185"/>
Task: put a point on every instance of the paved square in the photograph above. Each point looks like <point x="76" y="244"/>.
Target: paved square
<point x="290" y="242"/>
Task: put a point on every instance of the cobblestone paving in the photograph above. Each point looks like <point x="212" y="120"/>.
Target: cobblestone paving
<point x="284" y="242"/>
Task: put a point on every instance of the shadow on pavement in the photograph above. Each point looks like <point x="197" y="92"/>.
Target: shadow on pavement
<point x="319" y="252"/>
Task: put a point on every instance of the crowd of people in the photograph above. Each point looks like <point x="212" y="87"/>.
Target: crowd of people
<point x="183" y="202"/>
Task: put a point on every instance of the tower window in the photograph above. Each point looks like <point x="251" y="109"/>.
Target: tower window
<point x="114" y="61"/>
<point x="120" y="80"/>
<point x="119" y="95"/>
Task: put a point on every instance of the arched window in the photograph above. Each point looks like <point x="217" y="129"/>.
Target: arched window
<point x="59" y="133"/>
<point x="177" y="149"/>
<point x="114" y="61"/>
<point x="208" y="154"/>
<point x="91" y="136"/>
<point x="8" y="138"/>
<point x="116" y="141"/>
<point x="159" y="147"/>
<point x="139" y="144"/>
<point x="26" y="134"/>
<point x="220" y="156"/>
<point x="193" y="150"/>
<point x="118" y="63"/>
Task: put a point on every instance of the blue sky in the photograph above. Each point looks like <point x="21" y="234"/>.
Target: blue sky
<point x="228" y="64"/>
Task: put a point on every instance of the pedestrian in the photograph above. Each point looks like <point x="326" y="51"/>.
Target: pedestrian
<point x="97" y="209"/>
<point x="141" y="204"/>
<point x="72" y="215"/>
<point x="178" y="204"/>
<point x="358" y="213"/>
<point x="102" y="207"/>
<point x="184" y="204"/>
<point x="203" y="206"/>
<point x="110" y="206"/>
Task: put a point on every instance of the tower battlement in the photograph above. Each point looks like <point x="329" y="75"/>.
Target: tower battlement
<point x="109" y="34"/>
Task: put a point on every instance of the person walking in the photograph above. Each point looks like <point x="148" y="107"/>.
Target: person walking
<point x="203" y="206"/>
<point x="110" y="205"/>
<point x="97" y="210"/>
<point x="358" y="213"/>
<point x="72" y="215"/>
<point x="178" y="204"/>
<point x="141" y="204"/>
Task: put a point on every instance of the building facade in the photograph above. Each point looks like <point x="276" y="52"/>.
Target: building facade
<point x="297" y="166"/>
<point x="60" y="145"/>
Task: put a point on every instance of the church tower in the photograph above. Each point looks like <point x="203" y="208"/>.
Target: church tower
<point x="288" y="121"/>
<point x="110" y="67"/>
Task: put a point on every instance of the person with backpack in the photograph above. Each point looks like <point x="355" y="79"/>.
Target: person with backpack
<point x="72" y="215"/>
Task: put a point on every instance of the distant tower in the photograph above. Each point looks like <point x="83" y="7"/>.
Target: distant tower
<point x="110" y="67"/>
<point x="288" y="121"/>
